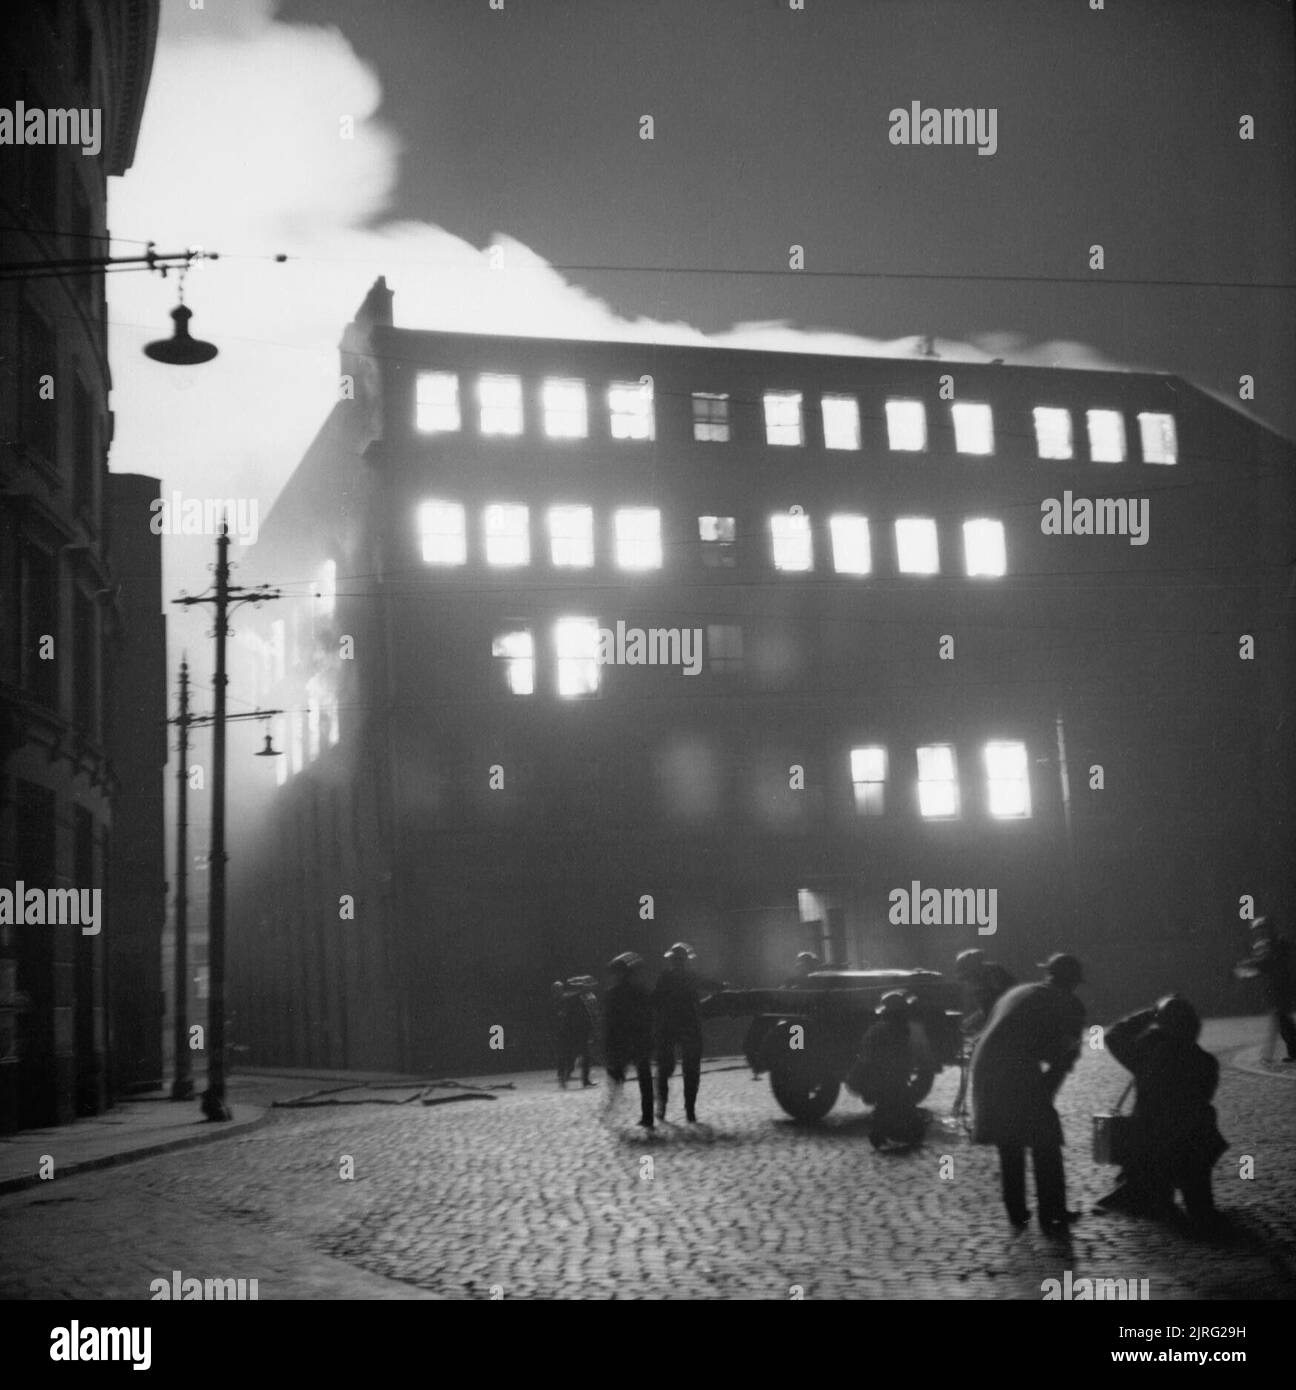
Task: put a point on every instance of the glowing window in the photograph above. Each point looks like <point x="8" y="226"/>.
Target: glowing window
<point x="937" y="781"/>
<point x="917" y="546"/>
<point x="437" y="402"/>
<point x="1007" y="780"/>
<point x="717" y="536"/>
<point x="1158" y="435"/>
<point x="841" y="424"/>
<point x="852" y="553"/>
<point x="516" y="651"/>
<point x="576" y="642"/>
<point x="571" y="537"/>
<point x="630" y="404"/>
<point x="710" y="417"/>
<point x="973" y="428"/>
<point x="500" y="398"/>
<point x="906" y="425"/>
<point x="1106" y="436"/>
<point x="445" y="538"/>
<point x="1053" y="432"/>
<point x="638" y="538"/>
<point x="793" y="548"/>
<point x="326" y="589"/>
<point x="566" y="412"/>
<point x="508" y="535"/>
<point x="983" y="547"/>
<point x="868" y="775"/>
<point x="783" y="417"/>
<point x="725" y="647"/>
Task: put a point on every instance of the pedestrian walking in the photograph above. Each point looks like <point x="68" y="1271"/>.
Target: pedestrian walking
<point x="628" y="1036"/>
<point x="895" y="1070"/>
<point x="558" y="1011"/>
<point x="677" y="1017"/>
<point x="581" y="1026"/>
<point x="1174" y="1140"/>
<point x="1271" y="959"/>
<point x="1030" y="1043"/>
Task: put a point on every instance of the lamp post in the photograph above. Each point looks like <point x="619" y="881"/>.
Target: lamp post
<point x="182" y="1085"/>
<point x="213" y="1098"/>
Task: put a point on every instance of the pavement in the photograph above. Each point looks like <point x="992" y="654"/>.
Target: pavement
<point x="331" y="1185"/>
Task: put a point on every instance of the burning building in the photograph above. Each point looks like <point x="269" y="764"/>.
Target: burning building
<point x="591" y="646"/>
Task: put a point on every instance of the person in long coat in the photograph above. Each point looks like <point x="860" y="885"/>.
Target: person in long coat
<point x="581" y="1026"/>
<point x="1029" y="1045"/>
<point x="1175" y="1140"/>
<point x="628" y="1040"/>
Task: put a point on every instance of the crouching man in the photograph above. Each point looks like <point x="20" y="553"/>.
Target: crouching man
<point x="1174" y="1141"/>
<point x="894" y="1072"/>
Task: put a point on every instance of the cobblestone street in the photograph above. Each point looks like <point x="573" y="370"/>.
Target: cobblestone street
<point x="534" y="1196"/>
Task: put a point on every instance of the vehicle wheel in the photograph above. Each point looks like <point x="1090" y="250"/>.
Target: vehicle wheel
<point x="803" y="1090"/>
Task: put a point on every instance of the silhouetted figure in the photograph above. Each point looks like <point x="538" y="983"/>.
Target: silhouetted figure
<point x="1271" y="959"/>
<point x="677" y="1013"/>
<point x="628" y="1036"/>
<point x="895" y="1071"/>
<point x="581" y="1009"/>
<point x="1030" y="1043"/>
<point x="558" y="1005"/>
<point x="1174" y="1140"/>
<point x="984" y="983"/>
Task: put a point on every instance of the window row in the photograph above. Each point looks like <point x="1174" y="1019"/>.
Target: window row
<point x="1004" y="765"/>
<point x="637" y="539"/>
<point x="580" y="648"/>
<point x="564" y="404"/>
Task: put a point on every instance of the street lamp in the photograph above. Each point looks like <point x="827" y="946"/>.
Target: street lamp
<point x="180" y="350"/>
<point x="225" y="597"/>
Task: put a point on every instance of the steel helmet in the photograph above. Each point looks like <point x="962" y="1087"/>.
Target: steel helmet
<point x="895" y="1004"/>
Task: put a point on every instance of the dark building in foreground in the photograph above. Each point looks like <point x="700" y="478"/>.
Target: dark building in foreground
<point x="904" y="682"/>
<point x="60" y="602"/>
<point x="135" y="898"/>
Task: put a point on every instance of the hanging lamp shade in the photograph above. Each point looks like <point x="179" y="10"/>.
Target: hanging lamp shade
<point x="180" y="349"/>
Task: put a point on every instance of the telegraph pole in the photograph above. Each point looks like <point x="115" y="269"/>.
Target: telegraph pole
<point x="213" y="1098"/>
<point x="182" y="1086"/>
